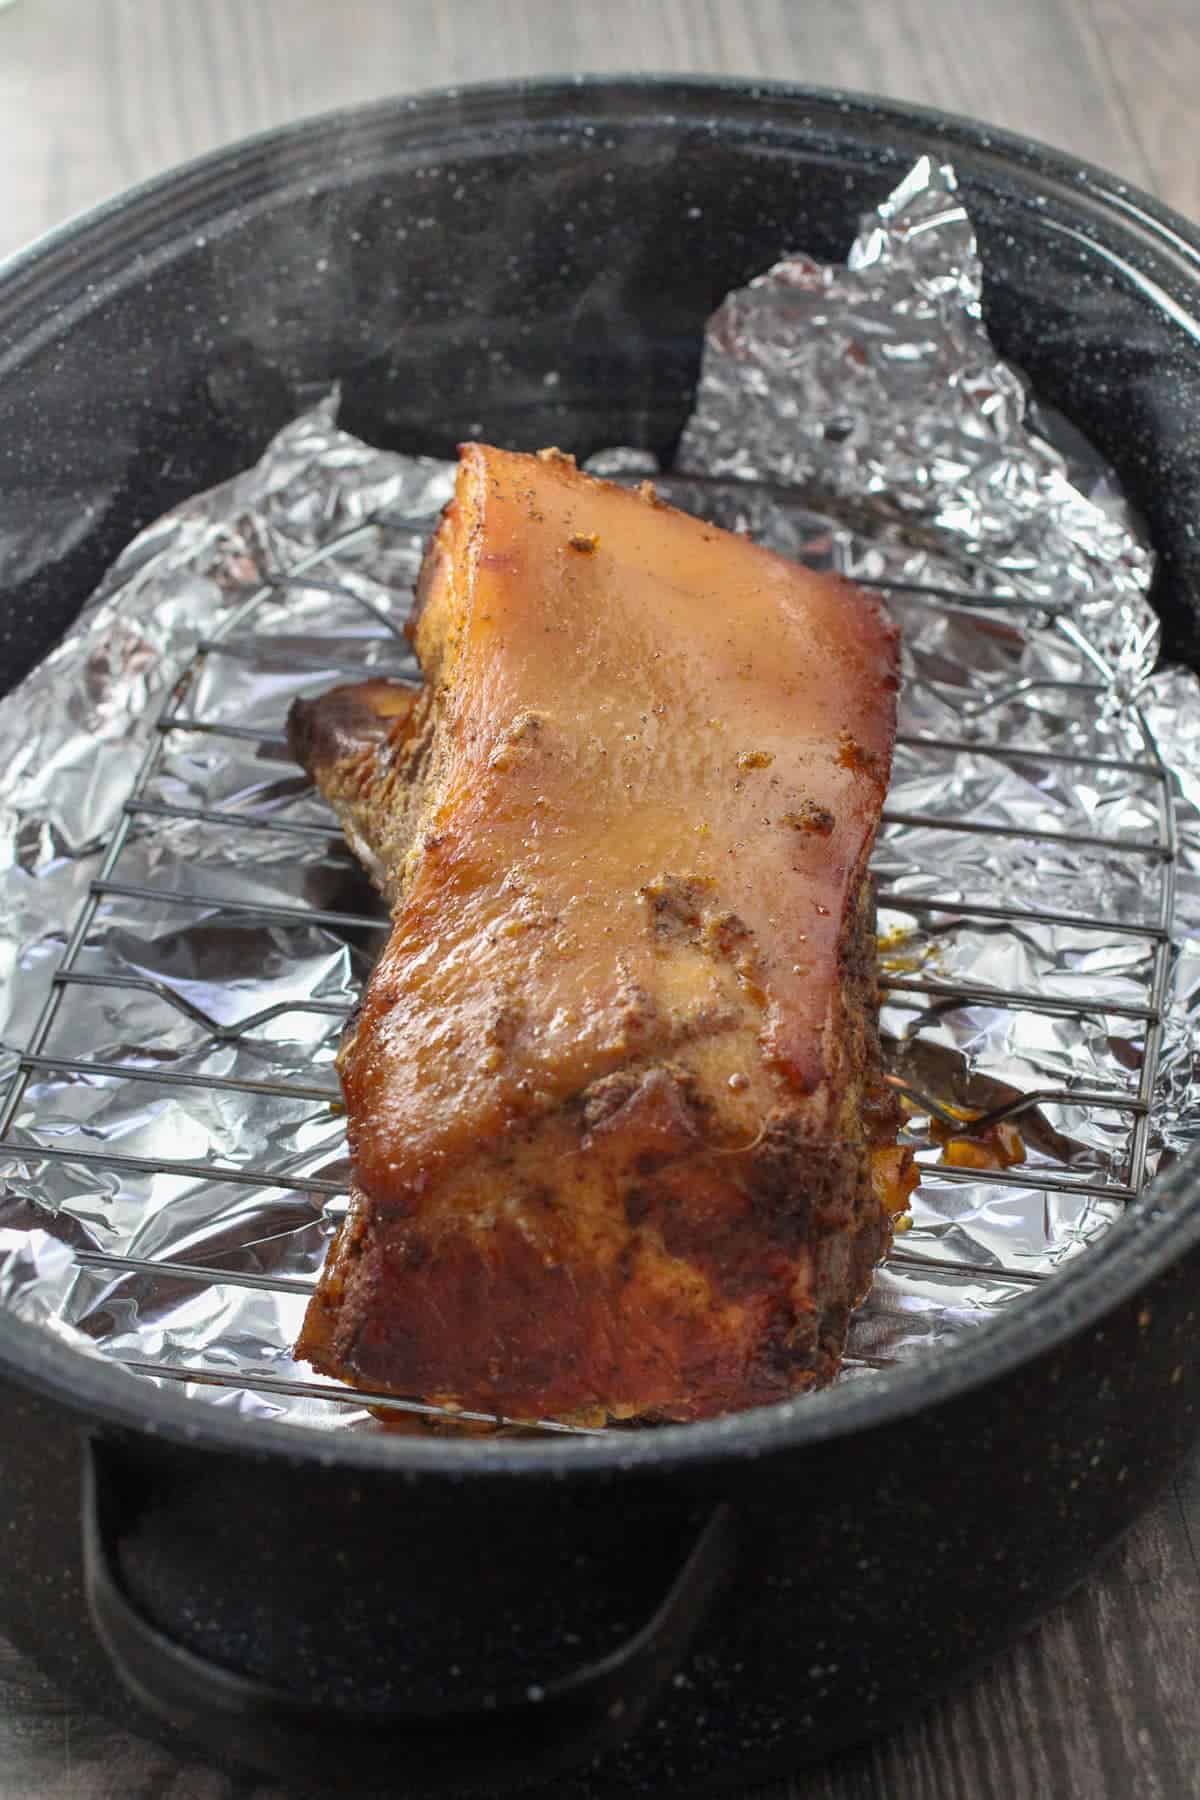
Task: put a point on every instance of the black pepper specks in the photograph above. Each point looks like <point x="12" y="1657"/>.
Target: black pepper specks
<point x="811" y="817"/>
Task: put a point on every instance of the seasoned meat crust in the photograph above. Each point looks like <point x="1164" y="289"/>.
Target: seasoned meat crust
<point x="620" y="1140"/>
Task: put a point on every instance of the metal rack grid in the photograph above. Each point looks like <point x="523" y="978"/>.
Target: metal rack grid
<point x="173" y="719"/>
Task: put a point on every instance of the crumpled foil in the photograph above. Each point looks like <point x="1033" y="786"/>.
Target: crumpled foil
<point x="855" y="417"/>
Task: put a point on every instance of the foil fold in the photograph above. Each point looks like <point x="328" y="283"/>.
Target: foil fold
<point x="856" y="417"/>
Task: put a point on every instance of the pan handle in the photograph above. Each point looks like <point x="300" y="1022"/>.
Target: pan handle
<point x="509" y="1738"/>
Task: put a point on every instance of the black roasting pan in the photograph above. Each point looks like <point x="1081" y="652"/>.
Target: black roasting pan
<point x="642" y="1613"/>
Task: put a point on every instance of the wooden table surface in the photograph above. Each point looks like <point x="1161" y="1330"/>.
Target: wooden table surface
<point x="1103" y="1701"/>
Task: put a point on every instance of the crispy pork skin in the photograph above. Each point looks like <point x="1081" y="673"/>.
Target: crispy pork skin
<point x="620" y="1142"/>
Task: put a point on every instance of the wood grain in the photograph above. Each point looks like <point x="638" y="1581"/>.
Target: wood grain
<point x="1151" y="51"/>
<point x="96" y="97"/>
<point x="1103" y="1701"/>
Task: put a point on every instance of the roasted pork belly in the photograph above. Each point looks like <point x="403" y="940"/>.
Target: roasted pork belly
<point x="620" y="1140"/>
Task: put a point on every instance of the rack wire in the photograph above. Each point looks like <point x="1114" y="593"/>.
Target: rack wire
<point x="322" y="1174"/>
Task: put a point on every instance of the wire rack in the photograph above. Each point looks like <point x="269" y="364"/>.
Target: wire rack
<point x="321" y="1178"/>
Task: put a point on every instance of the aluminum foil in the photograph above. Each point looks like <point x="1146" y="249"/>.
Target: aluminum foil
<point x="854" y="416"/>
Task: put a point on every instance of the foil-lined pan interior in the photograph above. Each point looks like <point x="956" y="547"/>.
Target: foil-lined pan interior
<point x="184" y="931"/>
